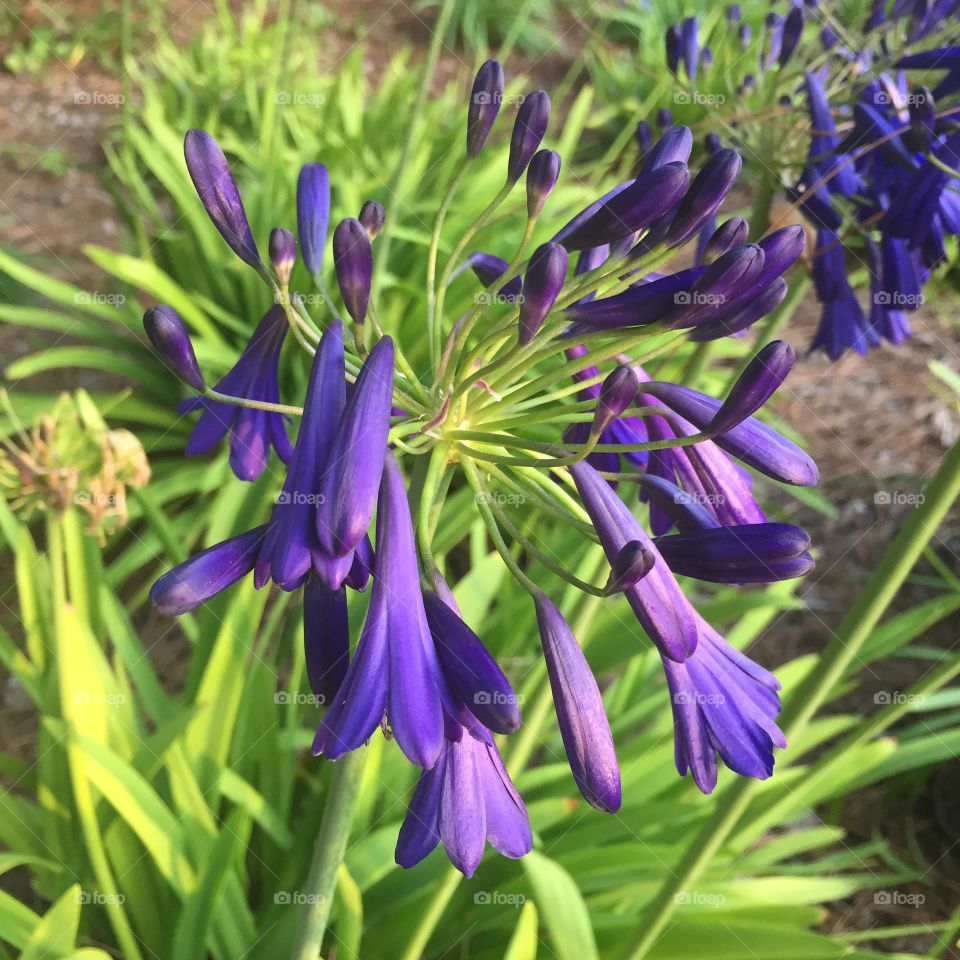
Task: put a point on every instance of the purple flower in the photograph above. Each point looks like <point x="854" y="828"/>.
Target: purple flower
<point x="542" y="284"/>
<point x="746" y="553"/>
<point x="326" y="638"/>
<point x="283" y="253"/>
<point x="689" y="47"/>
<point x="219" y="195"/>
<point x="730" y="234"/>
<point x="204" y="575"/>
<point x="489" y="269"/>
<point x="529" y="129"/>
<point x="372" y="216"/>
<point x="313" y="214"/>
<point x="542" y="176"/>
<point x="353" y="468"/>
<point x="617" y="392"/>
<point x="485" y="100"/>
<point x="474" y="677"/>
<point x="792" y="29"/>
<point x="760" y="379"/>
<point x="822" y="155"/>
<point x="661" y="607"/>
<point x="723" y="704"/>
<point x="583" y="723"/>
<point x="168" y="334"/>
<point x="708" y="190"/>
<point x="395" y="670"/>
<point x="292" y="547"/>
<point x="252" y="432"/>
<point x="672" y="45"/>
<point x="463" y="801"/>
<point x="353" y="261"/>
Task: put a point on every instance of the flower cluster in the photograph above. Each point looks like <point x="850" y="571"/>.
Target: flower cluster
<point x="876" y="168"/>
<point x="500" y="376"/>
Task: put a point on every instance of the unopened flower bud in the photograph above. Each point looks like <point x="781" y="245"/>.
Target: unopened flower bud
<point x="529" y="129"/>
<point x="283" y="253"/>
<point x="731" y="233"/>
<point x="616" y="394"/>
<point x="170" y="339"/>
<point x="313" y="214"/>
<point x="758" y="382"/>
<point x="541" y="286"/>
<point x="353" y="261"/>
<point x="542" y="177"/>
<point x="372" y="216"/>
<point x="708" y="190"/>
<point x="485" y="100"/>
<point x="634" y="561"/>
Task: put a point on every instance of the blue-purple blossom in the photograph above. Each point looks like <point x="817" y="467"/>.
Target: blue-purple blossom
<point x="168" y="335"/>
<point x="251" y="432"/>
<point x="313" y="214"/>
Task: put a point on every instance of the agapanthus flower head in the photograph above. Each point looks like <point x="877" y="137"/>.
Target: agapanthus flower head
<point x="168" y="335"/>
<point x="219" y="194"/>
<point x="251" y="432"/>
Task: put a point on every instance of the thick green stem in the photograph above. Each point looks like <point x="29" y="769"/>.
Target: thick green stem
<point x="328" y="854"/>
<point x="841" y="652"/>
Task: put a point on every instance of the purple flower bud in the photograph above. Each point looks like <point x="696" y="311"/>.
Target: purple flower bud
<point x="792" y="29"/>
<point x="283" y="253"/>
<point x="542" y="177"/>
<point x="583" y="722"/>
<point x="353" y="469"/>
<point x="485" y="100"/>
<point x="170" y="339"/>
<point x="733" y="13"/>
<point x="748" y="84"/>
<point x="672" y="45"/>
<point x="644" y="137"/>
<point x="634" y="561"/>
<point x="674" y="146"/>
<point x="489" y="269"/>
<point x="529" y="129"/>
<point x="353" y="261"/>
<point x="746" y="553"/>
<point x="203" y="576"/>
<point x="708" y="190"/>
<point x="745" y="35"/>
<point x="773" y="23"/>
<point x="712" y="143"/>
<point x="617" y="392"/>
<point x="633" y="208"/>
<point x="690" y="47"/>
<point x="219" y="194"/>
<point x="372" y="216"/>
<point x="478" y="683"/>
<point x="829" y="37"/>
<point x="721" y="284"/>
<point x="757" y="306"/>
<point x="706" y="59"/>
<point x="754" y="387"/>
<point x="664" y="119"/>
<point x="730" y="234"/>
<point x="326" y="638"/>
<point x="541" y="286"/>
<point x="313" y="214"/>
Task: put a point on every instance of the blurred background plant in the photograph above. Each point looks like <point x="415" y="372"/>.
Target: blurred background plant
<point x="158" y="790"/>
